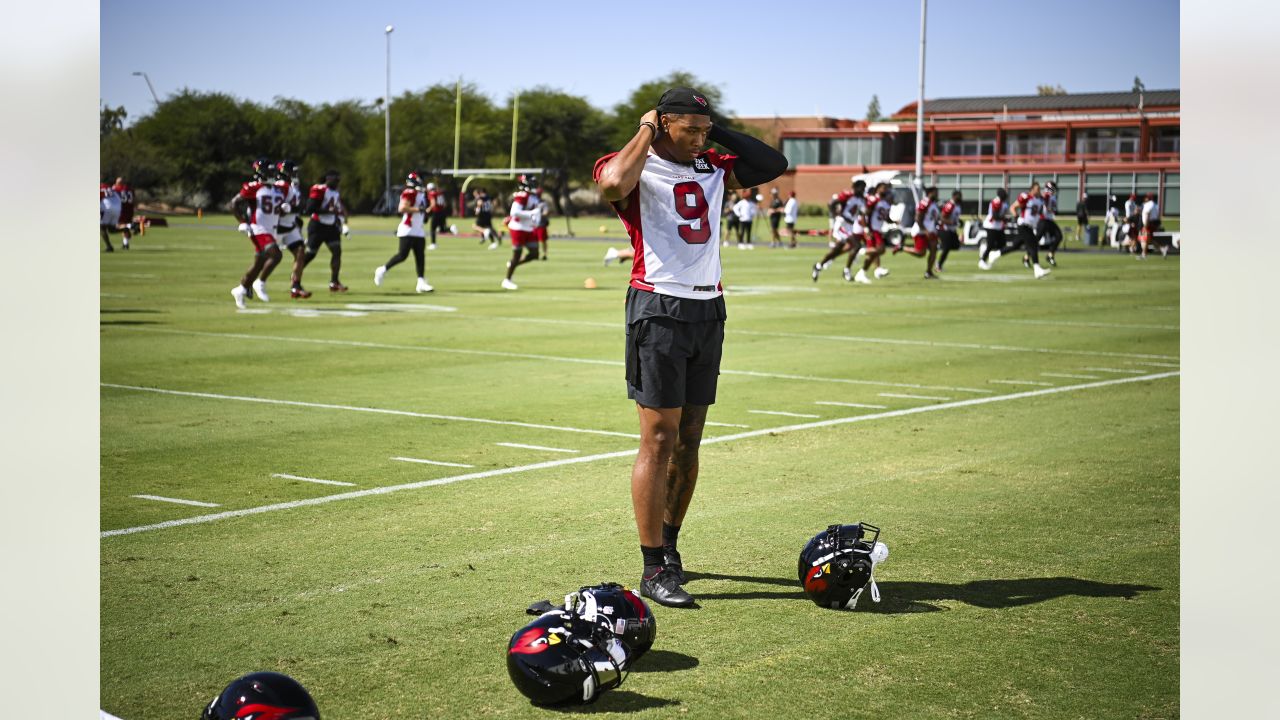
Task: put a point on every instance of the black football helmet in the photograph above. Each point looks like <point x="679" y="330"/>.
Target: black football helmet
<point x="838" y="563"/>
<point x="286" y="170"/>
<point x="262" y="168"/>
<point x="262" y="696"/>
<point x="414" y="180"/>
<point x="527" y="182"/>
<point x="619" y="610"/>
<point x="562" y="658"/>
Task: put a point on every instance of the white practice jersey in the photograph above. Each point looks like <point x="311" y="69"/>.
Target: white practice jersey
<point x="673" y="220"/>
<point x="745" y="210"/>
<point x="411" y="222"/>
<point x="264" y="216"/>
<point x="853" y="215"/>
<point x="791" y="211"/>
<point x="330" y="204"/>
<point x="928" y="214"/>
<point x="1150" y="211"/>
<point x="525" y="214"/>
<point x="293" y="196"/>
<point x="995" y="215"/>
<point x="1032" y="208"/>
<point x="1050" y="204"/>
<point x="879" y="212"/>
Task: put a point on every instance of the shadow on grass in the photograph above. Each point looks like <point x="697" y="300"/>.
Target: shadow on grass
<point x="620" y="701"/>
<point x="911" y="597"/>
<point x="665" y="661"/>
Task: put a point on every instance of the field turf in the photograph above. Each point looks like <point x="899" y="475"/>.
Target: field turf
<point x="1016" y="440"/>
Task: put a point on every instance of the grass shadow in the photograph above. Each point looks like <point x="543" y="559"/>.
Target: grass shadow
<point x="913" y="597"/>
<point x="665" y="661"/>
<point x="619" y="701"/>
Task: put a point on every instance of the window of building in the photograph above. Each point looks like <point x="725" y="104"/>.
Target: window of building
<point x="1038" y="145"/>
<point x="966" y="145"/>
<point x="853" y="151"/>
<point x="1172" y="194"/>
<point x="1068" y="193"/>
<point x="1107" y="141"/>
<point x="1166" y="140"/>
<point x="801" y="151"/>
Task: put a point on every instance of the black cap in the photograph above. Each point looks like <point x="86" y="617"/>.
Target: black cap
<point x="684" y="101"/>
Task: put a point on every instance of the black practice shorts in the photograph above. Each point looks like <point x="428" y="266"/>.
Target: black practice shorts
<point x="437" y="221"/>
<point x="318" y="233"/>
<point x="484" y="220"/>
<point x="671" y="364"/>
<point x="774" y="221"/>
<point x="950" y="239"/>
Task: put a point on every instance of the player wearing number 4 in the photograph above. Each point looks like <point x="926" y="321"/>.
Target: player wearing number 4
<point x="668" y="191"/>
<point x="413" y="206"/>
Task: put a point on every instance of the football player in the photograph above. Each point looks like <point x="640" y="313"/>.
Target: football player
<point x="848" y="231"/>
<point x="993" y="223"/>
<point x="1150" y="225"/>
<point x="258" y="208"/>
<point x="948" y="236"/>
<point x="544" y="221"/>
<point x="526" y="214"/>
<point x="878" y="206"/>
<point x="108" y="213"/>
<point x="667" y="190"/>
<point x="1028" y="208"/>
<point x="484" y="218"/>
<point x="926" y="239"/>
<point x="328" y="214"/>
<point x="1050" y="233"/>
<point x="288" y="230"/>
<point x="438" y="209"/>
<point x="125" y="223"/>
<point x="413" y="208"/>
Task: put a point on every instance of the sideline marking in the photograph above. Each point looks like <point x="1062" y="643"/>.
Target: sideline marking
<point x="351" y="495"/>
<point x="1069" y="375"/>
<point x="1021" y="382"/>
<point x="197" y="503"/>
<point x="432" y="462"/>
<point x="400" y="307"/>
<point x="849" y="404"/>
<point x="719" y="424"/>
<point x="966" y="318"/>
<point x="1155" y="364"/>
<point x="530" y="356"/>
<point x="913" y="397"/>
<point x="958" y="345"/>
<point x="1117" y="370"/>
<point x="522" y="446"/>
<point x="784" y="414"/>
<point x="286" y="476"/>
<point x="381" y="411"/>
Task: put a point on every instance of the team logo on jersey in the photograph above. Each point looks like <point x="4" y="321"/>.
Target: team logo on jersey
<point x="701" y="165"/>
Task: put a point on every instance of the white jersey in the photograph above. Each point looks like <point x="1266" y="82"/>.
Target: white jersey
<point x="852" y="214"/>
<point x="411" y="222"/>
<point x="108" y="205"/>
<point x="995" y="215"/>
<point x="293" y="196"/>
<point x="1150" y="211"/>
<point x="791" y="211"/>
<point x="330" y="204"/>
<point x="928" y="215"/>
<point x="1032" y="207"/>
<point x="880" y="212"/>
<point x="525" y="213"/>
<point x="265" y="215"/>
<point x="745" y="210"/>
<point x="1050" y="204"/>
<point x="1130" y="208"/>
<point x="673" y="228"/>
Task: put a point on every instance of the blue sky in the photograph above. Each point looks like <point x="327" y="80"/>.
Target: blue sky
<point x="785" y="58"/>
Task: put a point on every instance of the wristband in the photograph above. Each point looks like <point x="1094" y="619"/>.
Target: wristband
<point x="652" y="127"/>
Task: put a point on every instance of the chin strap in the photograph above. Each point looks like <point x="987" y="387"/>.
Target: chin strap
<point x="875" y="594"/>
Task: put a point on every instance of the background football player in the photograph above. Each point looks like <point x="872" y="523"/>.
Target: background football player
<point x="1028" y="208"/>
<point x="413" y="208"/>
<point x="125" y="223"/>
<point x="108" y="213"/>
<point x="257" y="207"/>
<point x="949" y="223"/>
<point x="328" y="214"/>
<point x="526" y="214"/>
<point x="289" y="229"/>
<point x="848" y="232"/>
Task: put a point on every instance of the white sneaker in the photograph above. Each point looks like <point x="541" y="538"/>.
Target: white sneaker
<point x="260" y="289"/>
<point x="508" y="285"/>
<point x="983" y="264"/>
<point x="750" y="246"/>
<point x="238" y="292"/>
<point x="848" y="275"/>
<point x="826" y="265"/>
<point x="424" y="286"/>
<point x="861" y="277"/>
<point x="1039" y="272"/>
<point x="610" y="255"/>
<point x="993" y="256"/>
<point x="493" y="245"/>
<point x="741" y="246"/>
<point x="881" y="272"/>
<point x="432" y="246"/>
<point x="379" y="274"/>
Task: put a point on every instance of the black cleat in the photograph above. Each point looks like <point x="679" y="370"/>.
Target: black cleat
<point x="671" y="559"/>
<point x="664" y="589"/>
<point x="1053" y="261"/>
<point x="817" y="268"/>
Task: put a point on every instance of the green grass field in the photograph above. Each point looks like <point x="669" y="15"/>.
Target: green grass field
<point x="1016" y="440"/>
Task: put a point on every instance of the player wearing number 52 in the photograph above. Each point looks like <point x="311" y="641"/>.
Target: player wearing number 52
<point x="668" y="191"/>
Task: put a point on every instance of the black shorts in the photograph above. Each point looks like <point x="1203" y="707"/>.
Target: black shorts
<point x="484" y="220"/>
<point x="774" y="221"/>
<point x="437" y="220"/>
<point x="318" y="232"/>
<point x="671" y="364"/>
<point x="950" y="240"/>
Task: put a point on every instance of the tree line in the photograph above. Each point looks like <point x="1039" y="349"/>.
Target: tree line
<point x="194" y="149"/>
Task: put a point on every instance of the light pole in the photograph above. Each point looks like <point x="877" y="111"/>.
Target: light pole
<point x="149" y="86"/>
<point x="386" y="106"/>
<point x="924" y="7"/>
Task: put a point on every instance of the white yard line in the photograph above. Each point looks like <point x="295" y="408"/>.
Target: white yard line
<point x="380" y="411"/>
<point x="849" y="404"/>
<point x="1154" y="364"/>
<point x="354" y="494"/>
<point x="179" y="501"/>
<point x="286" y="476"/>
<point x="914" y="397"/>
<point x="783" y="413"/>
<point x="970" y="319"/>
<point x="956" y="345"/>
<point x="1021" y="382"/>
<point x="1118" y="371"/>
<point x="522" y="446"/>
<point x="550" y="358"/>
<point x="432" y="462"/>
<point x="1070" y="375"/>
<point x="708" y="423"/>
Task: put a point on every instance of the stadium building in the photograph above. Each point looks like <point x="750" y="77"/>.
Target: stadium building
<point x="1105" y="144"/>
